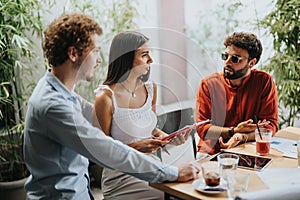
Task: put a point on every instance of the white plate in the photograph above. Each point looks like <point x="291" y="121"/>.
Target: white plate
<point x="200" y="185"/>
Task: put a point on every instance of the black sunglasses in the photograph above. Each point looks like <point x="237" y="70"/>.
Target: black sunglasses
<point x="234" y="58"/>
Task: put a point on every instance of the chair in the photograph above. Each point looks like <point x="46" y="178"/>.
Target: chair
<point x="174" y="120"/>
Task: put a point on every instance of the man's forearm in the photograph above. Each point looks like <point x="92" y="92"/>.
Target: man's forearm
<point x="214" y="132"/>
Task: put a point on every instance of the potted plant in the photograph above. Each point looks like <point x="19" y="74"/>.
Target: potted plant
<point x="19" y="20"/>
<point x="284" y="25"/>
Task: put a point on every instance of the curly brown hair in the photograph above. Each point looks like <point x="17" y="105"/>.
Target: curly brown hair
<point x="73" y="29"/>
<point x="247" y="41"/>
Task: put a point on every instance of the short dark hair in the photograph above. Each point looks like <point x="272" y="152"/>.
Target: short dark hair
<point x="247" y="41"/>
<point x="121" y="55"/>
<point x="74" y="29"/>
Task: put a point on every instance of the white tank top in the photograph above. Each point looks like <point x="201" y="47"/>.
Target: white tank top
<point x="132" y="124"/>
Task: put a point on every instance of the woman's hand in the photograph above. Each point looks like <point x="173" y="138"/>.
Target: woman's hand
<point x="180" y="139"/>
<point x="148" y="145"/>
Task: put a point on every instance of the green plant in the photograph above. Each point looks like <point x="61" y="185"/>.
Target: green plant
<point x="113" y="17"/>
<point x="284" y="24"/>
<point x="19" y="20"/>
<point x="207" y="34"/>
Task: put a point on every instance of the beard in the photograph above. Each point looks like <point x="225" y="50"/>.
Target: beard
<point x="236" y="74"/>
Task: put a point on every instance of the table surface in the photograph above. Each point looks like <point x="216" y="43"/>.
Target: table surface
<point x="186" y="190"/>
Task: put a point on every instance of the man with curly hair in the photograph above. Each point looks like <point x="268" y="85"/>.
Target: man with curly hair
<point x="59" y="138"/>
<point x="233" y="97"/>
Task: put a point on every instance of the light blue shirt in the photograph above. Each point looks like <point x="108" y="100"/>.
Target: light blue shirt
<point x="59" y="140"/>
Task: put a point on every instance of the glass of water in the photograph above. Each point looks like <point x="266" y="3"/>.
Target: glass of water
<point x="227" y="162"/>
<point x="237" y="182"/>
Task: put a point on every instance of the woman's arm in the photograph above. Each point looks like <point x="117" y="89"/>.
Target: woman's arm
<point x="180" y="139"/>
<point x="156" y="132"/>
<point x="103" y="111"/>
<point x="154" y="98"/>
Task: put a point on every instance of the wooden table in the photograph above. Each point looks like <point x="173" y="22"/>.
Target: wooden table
<point x="186" y="191"/>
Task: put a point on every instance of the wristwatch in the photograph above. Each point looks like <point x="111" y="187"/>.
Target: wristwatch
<point x="231" y="131"/>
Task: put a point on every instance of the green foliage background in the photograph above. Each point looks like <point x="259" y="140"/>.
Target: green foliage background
<point x="113" y="17"/>
<point x="284" y="24"/>
<point x="21" y="26"/>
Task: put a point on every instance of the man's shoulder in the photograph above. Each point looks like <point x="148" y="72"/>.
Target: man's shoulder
<point x="45" y="96"/>
<point x="213" y="77"/>
<point x="261" y="75"/>
<point x="257" y="72"/>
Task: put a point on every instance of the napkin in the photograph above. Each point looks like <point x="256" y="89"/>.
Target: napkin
<point x="287" y="193"/>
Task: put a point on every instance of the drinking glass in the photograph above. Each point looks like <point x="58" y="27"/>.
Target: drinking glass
<point x="227" y="162"/>
<point x="263" y="142"/>
<point x="211" y="174"/>
<point x="237" y="182"/>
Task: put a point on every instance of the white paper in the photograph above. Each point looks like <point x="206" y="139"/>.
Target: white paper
<point x="276" y="178"/>
<point x="287" y="147"/>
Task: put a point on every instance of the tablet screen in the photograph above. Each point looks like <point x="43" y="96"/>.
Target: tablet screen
<point x="250" y="162"/>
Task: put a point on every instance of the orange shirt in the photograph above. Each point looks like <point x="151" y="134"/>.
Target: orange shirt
<point x="227" y="106"/>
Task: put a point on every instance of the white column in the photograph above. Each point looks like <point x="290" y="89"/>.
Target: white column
<point x="172" y="40"/>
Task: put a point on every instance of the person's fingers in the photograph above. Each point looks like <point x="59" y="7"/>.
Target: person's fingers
<point x="160" y="137"/>
<point x="222" y="144"/>
<point x="179" y="139"/>
<point x="264" y="122"/>
<point x="188" y="171"/>
<point x="249" y="121"/>
<point x="161" y="144"/>
<point x="197" y="167"/>
<point x="195" y="172"/>
<point x="187" y="134"/>
<point x="221" y="140"/>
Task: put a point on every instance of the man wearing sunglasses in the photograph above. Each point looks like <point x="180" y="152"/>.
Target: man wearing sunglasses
<point x="233" y="97"/>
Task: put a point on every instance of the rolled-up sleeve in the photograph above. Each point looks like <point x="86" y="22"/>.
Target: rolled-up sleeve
<point x="70" y="128"/>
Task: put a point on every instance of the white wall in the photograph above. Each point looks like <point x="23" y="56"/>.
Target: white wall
<point x="202" y="55"/>
<point x="202" y="52"/>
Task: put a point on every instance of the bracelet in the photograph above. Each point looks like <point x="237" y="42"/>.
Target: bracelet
<point x="231" y="131"/>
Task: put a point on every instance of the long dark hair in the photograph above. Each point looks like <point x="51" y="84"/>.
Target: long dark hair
<point x="121" y="55"/>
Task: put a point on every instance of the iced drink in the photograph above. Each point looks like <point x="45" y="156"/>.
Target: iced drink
<point x="262" y="147"/>
<point x="263" y="141"/>
<point x="211" y="174"/>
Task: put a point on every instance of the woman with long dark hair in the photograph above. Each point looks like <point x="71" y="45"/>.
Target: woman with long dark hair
<point x="124" y="109"/>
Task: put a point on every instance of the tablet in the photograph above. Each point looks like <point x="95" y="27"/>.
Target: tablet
<point x="249" y="162"/>
<point x="185" y="129"/>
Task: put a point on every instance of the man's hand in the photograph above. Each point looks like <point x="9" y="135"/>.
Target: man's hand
<point x="248" y="126"/>
<point x="236" y="139"/>
<point x="232" y="142"/>
<point x="187" y="171"/>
